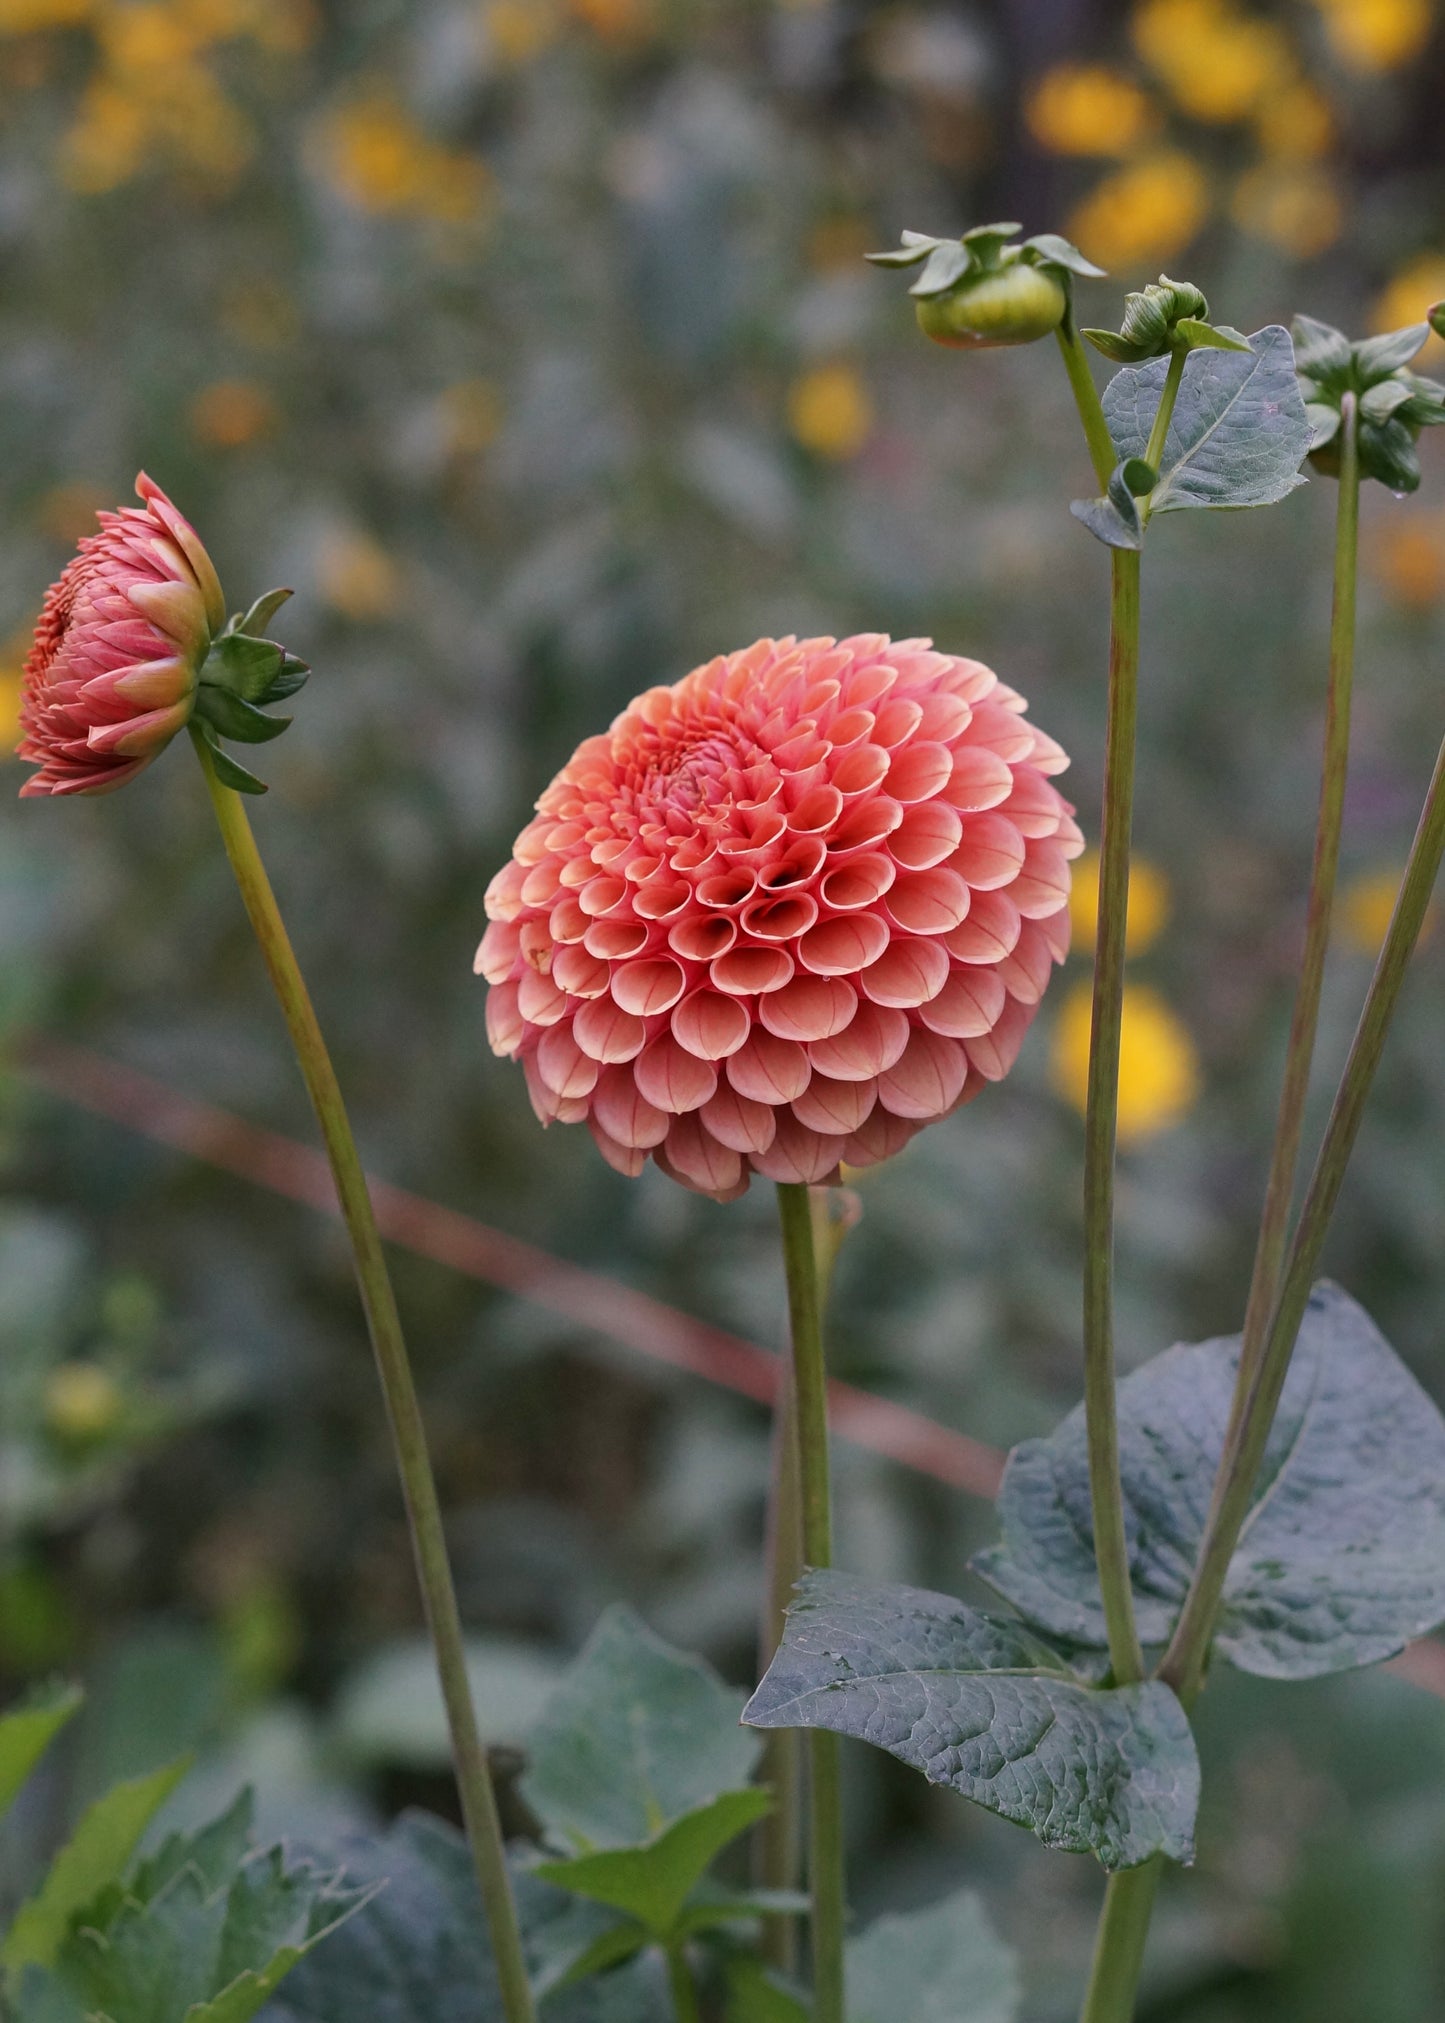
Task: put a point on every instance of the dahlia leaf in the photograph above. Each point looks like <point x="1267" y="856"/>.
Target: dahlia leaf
<point x="27" y="1731"/>
<point x="417" y="1951"/>
<point x="978" y="1703"/>
<point x="1114" y="519"/>
<point x="1238" y="433"/>
<point x="236" y="719"/>
<point x="942" y="1964"/>
<point x="92" y="1859"/>
<point x="1211" y="336"/>
<point x="635" y="1736"/>
<point x="1342" y="1560"/>
<point x="651" y="1883"/>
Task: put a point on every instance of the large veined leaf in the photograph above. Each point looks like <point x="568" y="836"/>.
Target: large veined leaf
<point x="980" y="1704"/>
<point x="1239" y="431"/>
<point x="1342" y="1560"/>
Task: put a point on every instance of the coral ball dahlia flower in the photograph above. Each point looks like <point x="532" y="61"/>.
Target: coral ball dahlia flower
<point x="118" y="648"/>
<point x="784" y="913"/>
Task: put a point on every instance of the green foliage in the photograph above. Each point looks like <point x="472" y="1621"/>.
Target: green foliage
<point x="95" y="1856"/>
<point x="653" y="1882"/>
<point x="980" y="1704"/>
<point x="26" y="1732"/>
<point x="1238" y="433"/>
<point x="1394" y="403"/>
<point x="417" y="1952"/>
<point x="942" y="1964"/>
<point x="1157" y="318"/>
<point x="979" y="291"/>
<point x="1342" y="1561"/>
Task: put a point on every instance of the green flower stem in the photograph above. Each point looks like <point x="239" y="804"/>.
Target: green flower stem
<point x="778" y="1843"/>
<point x="680" y="1985"/>
<point x="1299" y="1057"/>
<point x="1101" y="1125"/>
<point x="479" y="1806"/>
<point x="1184" y="1662"/>
<point x="1119" y="1945"/>
<point x="825" y="1840"/>
<point x="1102" y="453"/>
<point x="1178" y="358"/>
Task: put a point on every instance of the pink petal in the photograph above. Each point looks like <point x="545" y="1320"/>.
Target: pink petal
<point x="1026" y="972"/>
<point x="929" y="832"/>
<point x="798" y="1155"/>
<point x="990" y="932"/>
<point x="993" y="1054"/>
<point x="861" y="881"/>
<point x="907" y="974"/>
<point x="615" y="940"/>
<point x="835" y="1108"/>
<point x="690" y="1152"/>
<point x="539" y="1000"/>
<point x="578" y="973"/>
<point x="498" y="951"/>
<point x="563" y="1066"/>
<point x="768" y="1069"/>
<point x="505" y="1025"/>
<point x="919" y="771"/>
<point x="980" y="779"/>
<point x="929" y="902"/>
<point x="809" y="1008"/>
<point x="927" y="1079"/>
<point x="738" y="1121"/>
<point x="702" y="937"/>
<point x="648" y="988"/>
<point x="626" y="1159"/>
<point x="843" y="945"/>
<point x="711" y="1025"/>
<point x="991" y="853"/>
<point x="672" y="1078"/>
<point x="880" y="1136"/>
<point x="746" y="972"/>
<point x="624" y="1113"/>
<point x="872" y="1040"/>
<point x="968" y="1005"/>
<point x="1042" y="886"/>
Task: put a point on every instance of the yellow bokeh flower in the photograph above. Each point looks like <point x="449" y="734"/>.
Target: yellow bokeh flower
<point x="1159" y="1078"/>
<point x="518" y="30"/>
<point x="1373" y="35"/>
<point x="1404" y="300"/>
<point x="1217" y="63"/>
<point x="1143" y="214"/>
<point x="10" y="686"/>
<point x="357" y="577"/>
<point x="829" y="411"/>
<point x="32" y="17"/>
<point x="1297" y="123"/>
<point x="232" y="413"/>
<point x="1295" y="206"/>
<point x="83" y="1403"/>
<point x="1087" y="109"/>
<point x="613" y="20"/>
<point x="1366" y="904"/>
<point x="1149" y="904"/>
<point x="1408" y="558"/>
<point x="376" y="154"/>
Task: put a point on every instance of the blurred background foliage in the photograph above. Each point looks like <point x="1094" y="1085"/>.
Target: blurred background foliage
<point x="530" y="340"/>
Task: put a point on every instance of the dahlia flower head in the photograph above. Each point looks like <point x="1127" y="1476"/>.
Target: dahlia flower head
<point x="112" y="674"/>
<point x="785" y="912"/>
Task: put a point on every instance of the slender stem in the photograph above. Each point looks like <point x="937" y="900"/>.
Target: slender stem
<point x="1184" y="1662"/>
<point x="1101" y="1125"/>
<point x="1086" y="398"/>
<point x="1284" y="1161"/>
<point x="825" y="1841"/>
<point x="1178" y="358"/>
<point x="479" y="1805"/>
<point x="680" y="1985"/>
<point x="1119" y="1944"/>
<point x="778" y="1844"/>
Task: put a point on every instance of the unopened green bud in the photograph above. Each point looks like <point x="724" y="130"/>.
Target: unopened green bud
<point x="1151" y="316"/>
<point x="1010" y="304"/>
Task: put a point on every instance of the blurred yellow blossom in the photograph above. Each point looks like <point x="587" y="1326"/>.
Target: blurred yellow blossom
<point x="356" y="576"/>
<point x="471" y="413"/>
<point x="232" y="413"/>
<point x="1407" y="556"/>
<point x="257" y="311"/>
<point x="613" y="20"/>
<point x="83" y="1403"/>
<point x="1377" y="34"/>
<point x="1405" y="299"/>
<point x="518" y="30"/>
<point x="375" y="154"/>
<point x="1159" y="1079"/>
<point x="829" y="411"/>
<point x="10" y="687"/>
<point x="1149" y="903"/>
<point x="1366" y="904"/>
<point x="1295" y="206"/>
<point x="31" y="17"/>
<point x="1142" y="214"/>
<point x="1297" y="122"/>
<point x="1087" y="109"/>
<point x="1217" y="63"/>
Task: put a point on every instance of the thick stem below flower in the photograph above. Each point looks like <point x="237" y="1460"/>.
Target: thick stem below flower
<point x="479" y="1805"/>
<point x="1119" y="1944"/>
<point x="825" y="1837"/>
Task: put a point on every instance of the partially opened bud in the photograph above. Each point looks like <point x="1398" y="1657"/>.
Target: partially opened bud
<point x="118" y="650"/>
<point x="979" y="292"/>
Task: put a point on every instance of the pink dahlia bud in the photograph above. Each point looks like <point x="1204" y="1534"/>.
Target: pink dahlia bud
<point x="784" y="913"/>
<point x="118" y="649"/>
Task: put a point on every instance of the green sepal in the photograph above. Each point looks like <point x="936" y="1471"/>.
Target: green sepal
<point x="1212" y="336"/>
<point x="947" y="264"/>
<point x="236" y="719"/>
<point x="1377" y="357"/>
<point x="1324" y="423"/>
<point x="242" y="666"/>
<point x="1321" y="352"/>
<point x="1387" y="453"/>
<point x="1426" y="405"/>
<point x="1118" y="350"/>
<point x="258" y="618"/>
<point x="292" y="676"/>
<point x="1383" y="399"/>
<point x="1138" y="477"/>
<point x="1114" y="519"/>
<point x="916" y="246"/>
<point x="1054" y="251"/>
<point x="227" y="771"/>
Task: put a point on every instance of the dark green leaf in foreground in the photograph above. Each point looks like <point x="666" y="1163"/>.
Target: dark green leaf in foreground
<point x="1342" y="1560"/>
<point x="1114" y="519"/>
<point x="418" y="1951"/>
<point x="26" y="1732"/>
<point x="651" y="1882"/>
<point x="979" y="1704"/>
<point x="944" y="1964"/>
<point x="1239" y="432"/>
<point x="636" y="1735"/>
